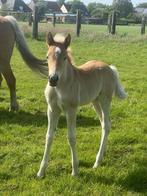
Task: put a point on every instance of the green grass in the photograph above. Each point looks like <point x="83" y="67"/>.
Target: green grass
<point x="22" y="135"/>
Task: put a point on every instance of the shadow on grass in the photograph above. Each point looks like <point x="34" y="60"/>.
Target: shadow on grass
<point x="38" y="119"/>
<point x="136" y="180"/>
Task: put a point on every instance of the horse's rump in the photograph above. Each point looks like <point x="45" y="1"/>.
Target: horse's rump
<point x="7" y="40"/>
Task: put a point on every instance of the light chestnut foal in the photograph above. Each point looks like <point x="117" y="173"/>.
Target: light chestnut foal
<point x="70" y="87"/>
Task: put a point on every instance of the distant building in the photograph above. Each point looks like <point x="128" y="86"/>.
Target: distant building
<point x="68" y="8"/>
<point x="15" y="5"/>
<point x="62" y="18"/>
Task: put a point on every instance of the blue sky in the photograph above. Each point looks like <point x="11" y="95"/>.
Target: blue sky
<point x="135" y="2"/>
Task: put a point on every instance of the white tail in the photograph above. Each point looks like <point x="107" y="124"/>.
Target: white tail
<point x="119" y="90"/>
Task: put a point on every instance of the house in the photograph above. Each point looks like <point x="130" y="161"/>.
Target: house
<point x="72" y="8"/>
<point x="141" y="11"/>
<point x="15" y="5"/>
<point x="62" y="18"/>
<point x="52" y="6"/>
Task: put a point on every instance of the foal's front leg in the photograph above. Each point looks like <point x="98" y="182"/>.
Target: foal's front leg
<point x="71" y="125"/>
<point x="53" y="117"/>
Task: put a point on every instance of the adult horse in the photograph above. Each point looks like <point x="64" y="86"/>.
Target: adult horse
<point x="70" y="87"/>
<point x="9" y="34"/>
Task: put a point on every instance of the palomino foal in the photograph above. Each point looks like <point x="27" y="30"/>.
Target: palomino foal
<point x="70" y="87"/>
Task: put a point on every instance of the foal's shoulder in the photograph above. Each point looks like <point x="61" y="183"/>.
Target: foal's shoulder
<point x="92" y="65"/>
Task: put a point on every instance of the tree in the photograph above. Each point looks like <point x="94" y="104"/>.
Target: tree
<point x="77" y="5"/>
<point x="98" y="10"/>
<point x="142" y="5"/>
<point x="61" y="2"/>
<point x="42" y="9"/>
<point x="124" y="7"/>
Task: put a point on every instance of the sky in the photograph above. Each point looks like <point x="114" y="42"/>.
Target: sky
<point x="109" y="2"/>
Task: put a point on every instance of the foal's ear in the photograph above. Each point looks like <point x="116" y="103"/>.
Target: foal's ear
<point x="67" y="41"/>
<point x="49" y="39"/>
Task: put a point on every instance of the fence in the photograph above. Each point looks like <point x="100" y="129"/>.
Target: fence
<point x="77" y="19"/>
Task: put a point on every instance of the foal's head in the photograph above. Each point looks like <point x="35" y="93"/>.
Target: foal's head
<point x="56" y="55"/>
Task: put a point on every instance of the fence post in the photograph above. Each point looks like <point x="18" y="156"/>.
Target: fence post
<point x="113" y="30"/>
<point x="35" y="22"/>
<point x="143" y="22"/>
<point x="30" y="19"/>
<point x="54" y="19"/>
<point x="109" y="23"/>
<point x="78" y="23"/>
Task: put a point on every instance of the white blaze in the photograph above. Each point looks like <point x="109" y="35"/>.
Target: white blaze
<point x="57" y="52"/>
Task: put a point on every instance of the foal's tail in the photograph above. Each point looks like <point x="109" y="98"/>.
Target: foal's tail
<point x="119" y="90"/>
<point x="34" y="63"/>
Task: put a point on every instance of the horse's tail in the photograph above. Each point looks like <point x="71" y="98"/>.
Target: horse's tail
<point x="119" y="90"/>
<point x="34" y="63"/>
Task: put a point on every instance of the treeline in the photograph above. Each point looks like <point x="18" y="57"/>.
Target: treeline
<point x="124" y="8"/>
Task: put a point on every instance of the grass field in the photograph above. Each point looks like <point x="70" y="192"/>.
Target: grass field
<point x="22" y="135"/>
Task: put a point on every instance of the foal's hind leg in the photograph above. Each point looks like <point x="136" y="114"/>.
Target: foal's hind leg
<point x="1" y="79"/>
<point x="104" y="104"/>
<point x="98" y="109"/>
<point x="11" y="82"/>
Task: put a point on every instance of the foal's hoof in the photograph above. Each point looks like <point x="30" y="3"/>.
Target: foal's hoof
<point x="96" y="165"/>
<point x="74" y="173"/>
<point x="40" y="175"/>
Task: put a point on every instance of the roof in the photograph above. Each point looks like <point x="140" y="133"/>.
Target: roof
<point x="9" y="4"/>
<point x="141" y="11"/>
<point x="67" y="6"/>
<point x="16" y="5"/>
<point x="53" y="6"/>
<point x="21" y="3"/>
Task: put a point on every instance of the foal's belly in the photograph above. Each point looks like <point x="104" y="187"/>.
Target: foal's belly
<point x="89" y="89"/>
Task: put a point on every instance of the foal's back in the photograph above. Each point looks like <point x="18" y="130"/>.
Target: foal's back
<point x="92" y="65"/>
<point x="95" y="77"/>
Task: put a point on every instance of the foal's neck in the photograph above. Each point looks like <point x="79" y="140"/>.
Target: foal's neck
<point x="68" y="76"/>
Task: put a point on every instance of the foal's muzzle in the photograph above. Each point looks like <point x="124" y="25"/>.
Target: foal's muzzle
<point x="53" y="79"/>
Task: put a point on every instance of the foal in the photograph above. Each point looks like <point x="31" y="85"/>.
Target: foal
<point x="70" y="87"/>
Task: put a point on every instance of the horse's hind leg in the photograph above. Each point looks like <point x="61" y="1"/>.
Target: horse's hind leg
<point x="1" y="78"/>
<point x="11" y="82"/>
<point x="104" y="105"/>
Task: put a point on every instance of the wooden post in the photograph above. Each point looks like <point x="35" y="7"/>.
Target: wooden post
<point x="54" y="19"/>
<point x="78" y="23"/>
<point x="109" y="23"/>
<point x="143" y="22"/>
<point x="35" y="22"/>
<point x="30" y="19"/>
<point x="113" y="30"/>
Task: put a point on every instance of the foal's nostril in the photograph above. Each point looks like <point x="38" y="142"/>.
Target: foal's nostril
<point x="53" y="79"/>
